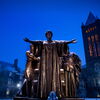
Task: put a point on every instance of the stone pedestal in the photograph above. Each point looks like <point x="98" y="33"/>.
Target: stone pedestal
<point x="27" y="98"/>
<point x="72" y="99"/>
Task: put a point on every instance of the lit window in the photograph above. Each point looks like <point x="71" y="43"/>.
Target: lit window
<point x="91" y="29"/>
<point x="98" y="44"/>
<point x="89" y="39"/>
<point x="94" y="46"/>
<point x="96" y="37"/>
<point x="90" y="50"/>
<point x="7" y="92"/>
<point x="90" y="46"/>
<point x="86" y="31"/>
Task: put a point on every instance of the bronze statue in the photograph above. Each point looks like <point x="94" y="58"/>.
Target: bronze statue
<point x="71" y="69"/>
<point x="31" y="68"/>
<point x="51" y="67"/>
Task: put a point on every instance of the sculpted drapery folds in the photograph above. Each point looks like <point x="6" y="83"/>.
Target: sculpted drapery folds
<point x="71" y="69"/>
<point x="50" y="67"/>
<point x="32" y="68"/>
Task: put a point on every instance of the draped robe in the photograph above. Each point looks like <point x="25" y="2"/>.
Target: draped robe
<point x="49" y="76"/>
<point x="50" y="65"/>
<point x="71" y="65"/>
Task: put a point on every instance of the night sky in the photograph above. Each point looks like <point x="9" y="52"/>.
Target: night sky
<point x="32" y="18"/>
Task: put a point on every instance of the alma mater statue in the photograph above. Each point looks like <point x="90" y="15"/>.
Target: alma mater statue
<point x="50" y="67"/>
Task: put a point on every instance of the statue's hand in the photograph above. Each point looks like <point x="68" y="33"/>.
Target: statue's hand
<point x="26" y="39"/>
<point x="74" y="41"/>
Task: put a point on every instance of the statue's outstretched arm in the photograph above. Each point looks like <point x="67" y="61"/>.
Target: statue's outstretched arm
<point x="32" y="42"/>
<point x="67" y="42"/>
<point x="27" y="40"/>
<point x="72" y="41"/>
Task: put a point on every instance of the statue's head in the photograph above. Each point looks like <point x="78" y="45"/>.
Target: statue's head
<point x="49" y="35"/>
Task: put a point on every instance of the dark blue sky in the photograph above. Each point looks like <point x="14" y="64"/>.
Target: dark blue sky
<point x="32" y="18"/>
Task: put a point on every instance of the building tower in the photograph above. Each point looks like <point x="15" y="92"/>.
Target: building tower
<point x="91" y="40"/>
